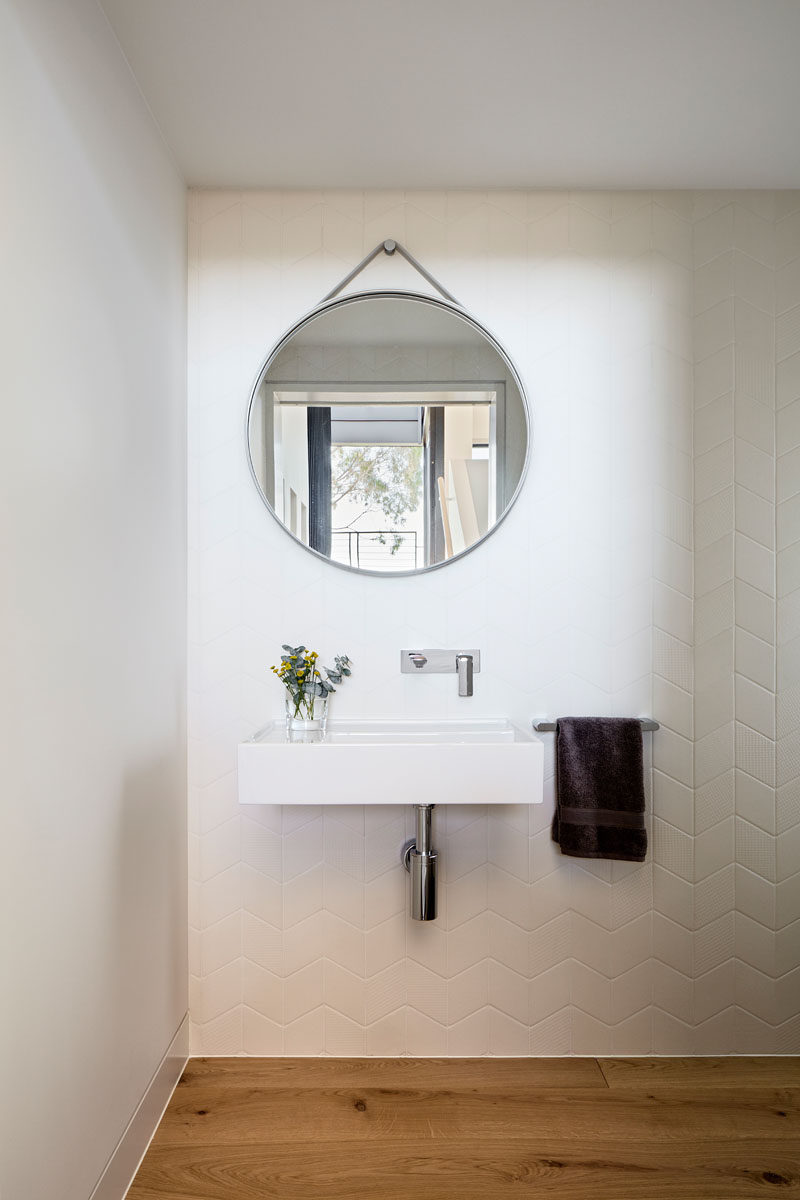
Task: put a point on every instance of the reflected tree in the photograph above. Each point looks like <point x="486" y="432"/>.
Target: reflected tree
<point x="386" y="478"/>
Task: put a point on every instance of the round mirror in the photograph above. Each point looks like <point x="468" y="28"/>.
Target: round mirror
<point x="388" y="432"/>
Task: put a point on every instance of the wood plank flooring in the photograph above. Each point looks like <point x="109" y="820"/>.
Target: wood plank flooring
<point x="396" y="1129"/>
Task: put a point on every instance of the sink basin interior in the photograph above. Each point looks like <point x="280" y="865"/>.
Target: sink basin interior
<point x="490" y="731"/>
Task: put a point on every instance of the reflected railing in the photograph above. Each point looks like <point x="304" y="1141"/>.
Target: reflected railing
<point x="376" y="549"/>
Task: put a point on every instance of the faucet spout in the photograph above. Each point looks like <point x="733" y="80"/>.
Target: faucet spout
<point x="464" y="667"/>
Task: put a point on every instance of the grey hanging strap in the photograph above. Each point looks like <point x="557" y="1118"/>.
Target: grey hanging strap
<point x="390" y="247"/>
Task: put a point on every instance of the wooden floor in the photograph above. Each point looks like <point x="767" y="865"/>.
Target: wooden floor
<point x="579" y="1129"/>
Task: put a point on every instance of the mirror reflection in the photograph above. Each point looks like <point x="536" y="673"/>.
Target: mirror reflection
<point x="388" y="433"/>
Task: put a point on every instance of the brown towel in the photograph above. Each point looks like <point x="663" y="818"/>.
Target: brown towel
<point x="600" y="788"/>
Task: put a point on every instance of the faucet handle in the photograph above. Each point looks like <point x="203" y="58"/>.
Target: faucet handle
<point x="464" y="667"/>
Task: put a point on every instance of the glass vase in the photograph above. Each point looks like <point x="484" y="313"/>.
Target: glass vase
<point x="306" y="718"/>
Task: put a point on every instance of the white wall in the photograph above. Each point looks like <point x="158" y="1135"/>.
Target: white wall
<point x="582" y="601"/>
<point x="92" y="446"/>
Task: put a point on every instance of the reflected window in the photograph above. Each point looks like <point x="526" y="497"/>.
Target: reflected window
<point x="391" y="485"/>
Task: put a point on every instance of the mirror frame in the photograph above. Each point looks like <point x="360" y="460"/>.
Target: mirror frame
<point x="446" y="306"/>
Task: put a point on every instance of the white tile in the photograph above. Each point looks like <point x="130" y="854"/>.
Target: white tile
<point x="672" y="944"/>
<point x="755" y="755"/>
<point x="754" y="235"/>
<point x="590" y="992"/>
<point x="788" y="427"/>
<point x="713" y="755"/>
<point x="672" y="896"/>
<point x="672" y="849"/>
<point x="468" y="992"/>
<point x="755" y="611"/>
<point x="755" y="706"/>
<point x="788" y="853"/>
<point x="262" y="992"/>
<point x="386" y="1038"/>
<point x="755" y="897"/>
<point x="755" y="564"/>
<point x="787" y="380"/>
<point x="713" y="990"/>
<point x="428" y="1038"/>
<point x="714" y="896"/>
<point x="754" y="282"/>
<point x="713" y="328"/>
<point x="713" y="706"/>
<point x="714" y="801"/>
<point x="306" y="1035"/>
<point x="589" y="1036"/>
<point x="788" y="522"/>
<point x="672" y="754"/>
<point x="343" y="1038"/>
<point x="755" y="945"/>
<point x="507" y="1037"/>
<point x="217" y="993"/>
<point x="714" y="849"/>
<point x="261" y="1037"/>
<point x="787" y="333"/>
<point x="755" y="655"/>
<point x="755" y="517"/>
<point x="220" y="896"/>
<point x="537" y="952"/>
<point x="220" y="944"/>
<point x="755" y="467"/>
<point x="385" y="944"/>
<point x="755" y="849"/>
<point x="787" y="902"/>
<point x="713" y="234"/>
<point x="508" y="851"/>
<point x="714" y="565"/>
<point x="467" y="849"/>
<point x="714" y="944"/>
<point x="716" y="1035"/>
<point x="713" y="469"/>
<point x="713" y="518"/>
<point x="673" y="991"/>
<point x="756" y="801"/>
<point x="508" y="991"/>
<point x="714" y="282"/>
<point x="345" y="992"/>
<point x="303" y="991"/>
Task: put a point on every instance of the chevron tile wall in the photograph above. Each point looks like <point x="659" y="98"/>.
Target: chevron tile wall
<point x="651" y="565"/>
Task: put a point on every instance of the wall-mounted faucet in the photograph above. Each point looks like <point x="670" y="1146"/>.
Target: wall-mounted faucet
<point x="464" y="663"/>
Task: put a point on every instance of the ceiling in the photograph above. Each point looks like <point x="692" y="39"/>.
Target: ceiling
<point x="471" y="93"/>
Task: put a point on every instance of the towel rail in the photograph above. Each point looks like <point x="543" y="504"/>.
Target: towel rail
<point x="550" y="726"/>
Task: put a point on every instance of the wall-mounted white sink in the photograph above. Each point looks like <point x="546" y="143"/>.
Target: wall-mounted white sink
<point x="395" y="762"/>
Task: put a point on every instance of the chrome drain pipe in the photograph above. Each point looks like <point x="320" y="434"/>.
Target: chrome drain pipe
<point x="420" y="862"/>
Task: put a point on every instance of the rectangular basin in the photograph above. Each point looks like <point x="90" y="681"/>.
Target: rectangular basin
<point x="482" y="761"/>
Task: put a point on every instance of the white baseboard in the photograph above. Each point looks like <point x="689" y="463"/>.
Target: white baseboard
<point x="120" y="1169"/>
